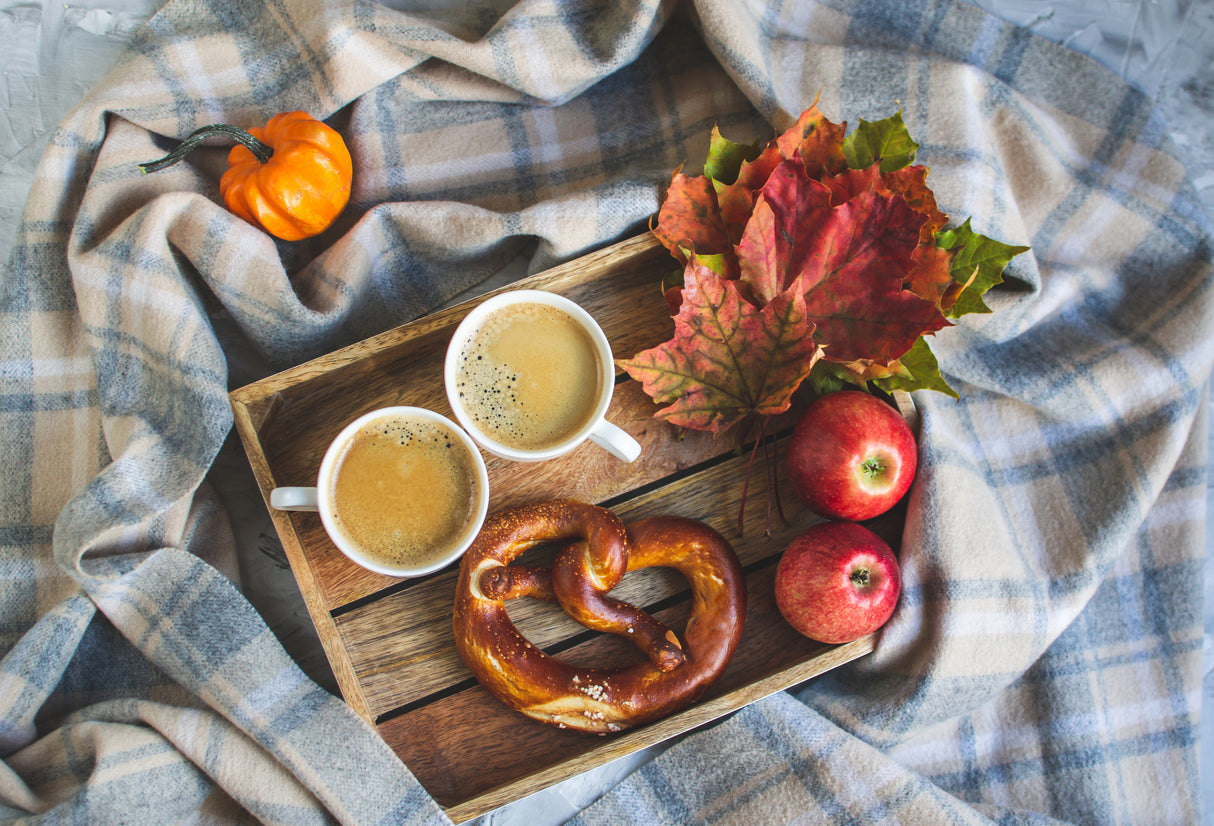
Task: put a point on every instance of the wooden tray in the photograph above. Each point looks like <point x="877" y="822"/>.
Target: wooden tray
<point x="390" y="642"/>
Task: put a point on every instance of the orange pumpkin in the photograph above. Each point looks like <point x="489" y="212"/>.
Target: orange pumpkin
<point x="290" y="177"/>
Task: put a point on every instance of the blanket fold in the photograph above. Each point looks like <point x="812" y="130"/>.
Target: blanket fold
<point x="1045" y="659"/>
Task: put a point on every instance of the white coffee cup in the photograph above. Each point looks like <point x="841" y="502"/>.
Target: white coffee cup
<point x="451" y="521"/>
<point x="513" y="440"/>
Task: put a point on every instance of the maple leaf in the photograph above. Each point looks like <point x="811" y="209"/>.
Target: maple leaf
<point x="930" y="276"/>
<point x="725" y="158"/>
<point x="690" y="220"/>
<point x="848" y="223"/>
<point x="821" y="257"/>
<point x="736" y="200"/>
<point x="978" y="263"/>
<point x="775" y="244"/>
<point x="816" y="142"/>
<point x="728" y="359"/>
<point x="883" y="141"/>
<point x="911" y="183"/>
<point x="850" y="261"/>
<point x="917" y="370"/>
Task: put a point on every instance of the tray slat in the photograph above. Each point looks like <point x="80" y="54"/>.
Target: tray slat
<point x="390" y="642"/>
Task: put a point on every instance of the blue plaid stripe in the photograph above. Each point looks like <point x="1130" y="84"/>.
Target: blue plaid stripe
<point x="1046" y="656"/>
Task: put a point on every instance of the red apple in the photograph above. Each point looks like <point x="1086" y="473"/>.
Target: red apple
<point x="851" y="456"/>
<point x="837" y="582"/>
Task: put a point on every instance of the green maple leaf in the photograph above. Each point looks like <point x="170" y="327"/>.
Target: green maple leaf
<point x="976" y="261"/>
<point x="728" y="359"/>
<point x="920" y="371"/>
<point x="887" y="141"/>
<point x="725" y="157"/>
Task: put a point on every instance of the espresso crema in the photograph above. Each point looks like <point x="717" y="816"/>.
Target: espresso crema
<point x="529" y="377"/>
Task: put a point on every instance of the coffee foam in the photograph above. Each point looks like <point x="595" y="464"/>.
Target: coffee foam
<point x="529" y="377"/>
<point x="404" y="491"/>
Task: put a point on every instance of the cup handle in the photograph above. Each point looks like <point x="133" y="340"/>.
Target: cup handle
<point x="615" y="441"/>
<point x="294" y="499"/>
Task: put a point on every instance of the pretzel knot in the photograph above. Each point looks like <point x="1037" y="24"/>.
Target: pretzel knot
<point x="676" y="672"/>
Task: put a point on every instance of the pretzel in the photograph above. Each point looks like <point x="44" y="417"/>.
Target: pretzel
<point x="676" y="672"/>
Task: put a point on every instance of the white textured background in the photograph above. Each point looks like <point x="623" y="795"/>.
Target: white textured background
<point x="52" y="52"/>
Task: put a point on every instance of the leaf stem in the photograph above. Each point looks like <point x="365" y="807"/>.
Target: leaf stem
<point x="749" y="472"/>
<point x="775" y="479"/>
<point x="771" y="478"/>
<point x="770" y="484"/>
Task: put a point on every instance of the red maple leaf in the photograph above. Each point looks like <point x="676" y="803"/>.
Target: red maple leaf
<point x="849" y="260"/>
<point x="737" y="199"/>
<point x="816" y="142"/>
<point x="690" y="220"/>
<point x="848" y="223"/>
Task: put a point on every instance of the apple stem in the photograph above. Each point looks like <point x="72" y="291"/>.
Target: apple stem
<point x="860" y="577"/>
<point x="872" y="467"/>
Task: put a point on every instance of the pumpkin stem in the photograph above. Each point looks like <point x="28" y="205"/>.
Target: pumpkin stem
<point x="261" y="150"/>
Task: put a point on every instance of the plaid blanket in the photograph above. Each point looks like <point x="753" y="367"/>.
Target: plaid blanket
<point x="1045" y="660"/>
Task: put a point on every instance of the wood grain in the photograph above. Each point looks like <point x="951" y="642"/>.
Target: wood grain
<point x="390" y="641"/>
